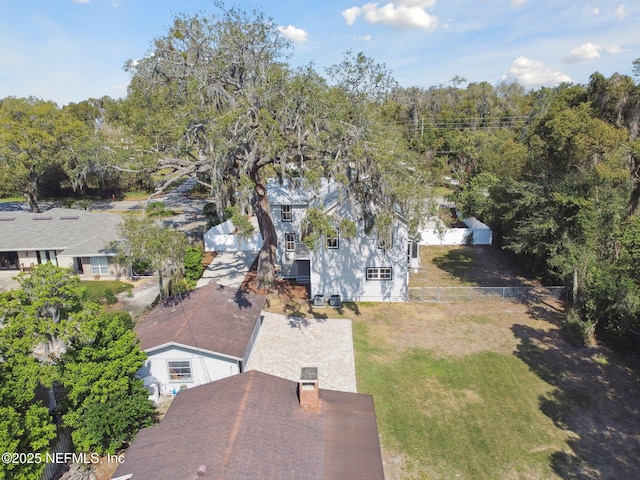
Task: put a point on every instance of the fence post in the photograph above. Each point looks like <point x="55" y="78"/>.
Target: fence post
<point x="503" y="292"/>
<point x="438" y="294"/>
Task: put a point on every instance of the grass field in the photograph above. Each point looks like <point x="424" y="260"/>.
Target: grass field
<point x="491" y="390"/>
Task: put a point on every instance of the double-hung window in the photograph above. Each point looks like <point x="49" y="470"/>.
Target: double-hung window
<point x="99" y="266"/>
<point x="333" y="241"/>
<point x="180" y="371"/>
<point x="379" y="273"/>
<point x="290" y="242"/>
<point x="285" y="212"/>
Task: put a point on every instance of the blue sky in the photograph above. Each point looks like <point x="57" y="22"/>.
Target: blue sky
<point x="72" y="50"/>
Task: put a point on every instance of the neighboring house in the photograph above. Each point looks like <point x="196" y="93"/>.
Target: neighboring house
<point x="199" y="336"/>
<point x="75" y="239"/>
<point x="258" y="426"/>
<point x="362" y="268"/>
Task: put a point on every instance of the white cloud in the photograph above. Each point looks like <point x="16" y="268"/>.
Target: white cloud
<point x="621" y="12"/>
<point x="296" y="35"/>
<point x="596" y="11"/>
<point x="403" y="15"/>
<point x="364" y="38"/>
<point x="582" y="53"/>
<point x="533" y="74"/>
<point x="589" y="51"/>
<point x="81" y="1"/>
<point x="351" y="14"/>
<point x="518" y="3"/>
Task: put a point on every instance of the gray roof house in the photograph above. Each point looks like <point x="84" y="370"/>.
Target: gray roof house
<point x="258" y="426"/>
<point x="362" y="268"/>
<point x="69" y="238"/>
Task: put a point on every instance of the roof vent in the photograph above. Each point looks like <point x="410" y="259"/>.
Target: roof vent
<point x="69" y="217"/>
<point x="48" y="217"/>
<point x="202" y="470"/>
<point x="7" y="219"/>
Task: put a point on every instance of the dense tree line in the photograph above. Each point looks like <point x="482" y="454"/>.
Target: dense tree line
<point x="555" y="172"/>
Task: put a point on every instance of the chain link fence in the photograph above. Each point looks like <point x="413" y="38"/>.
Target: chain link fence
<point x="457" y="294"/>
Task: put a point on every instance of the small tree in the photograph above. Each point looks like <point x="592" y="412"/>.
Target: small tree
<point x="143" y="240"/>
<point x="106" y="405"/>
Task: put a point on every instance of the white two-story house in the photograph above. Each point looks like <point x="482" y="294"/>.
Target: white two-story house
<point x="360" y="268"/>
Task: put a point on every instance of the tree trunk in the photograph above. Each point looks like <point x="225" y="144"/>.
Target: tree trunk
<point x="30" y="192"/>
<point x="32" y="200"/>
<point x="160" y="285"/>
<point x="266" y="257"/>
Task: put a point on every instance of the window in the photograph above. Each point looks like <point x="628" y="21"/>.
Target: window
<point x="179" y="371"/>
<point x="290" y="242"/>
<point x="99" y="266"/>
<point x="285" y="211"/>
<point x="379" y="273"/>
<point x="385" y="243"/>
<point x="333" y="241"/>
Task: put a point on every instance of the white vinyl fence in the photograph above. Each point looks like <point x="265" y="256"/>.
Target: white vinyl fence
<point x="476" y="233"/>
<point x="222" y="239"/>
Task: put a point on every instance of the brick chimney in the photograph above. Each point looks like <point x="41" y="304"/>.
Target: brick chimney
<point x="308" y="389"/>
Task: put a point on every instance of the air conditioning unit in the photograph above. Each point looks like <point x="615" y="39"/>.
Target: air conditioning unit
<point x="335" y="301"/>
<point x="318" y="301"/>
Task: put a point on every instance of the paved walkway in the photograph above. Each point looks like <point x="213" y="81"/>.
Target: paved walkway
<point x="286" y="344"/>
<point x="228" y="268"/>
<point x="7" y="280"/>
<point x="143" y="294"/>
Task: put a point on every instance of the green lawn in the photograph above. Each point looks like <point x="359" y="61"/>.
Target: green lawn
<point x="98" y="290"/>
<point x="471" y="417"/>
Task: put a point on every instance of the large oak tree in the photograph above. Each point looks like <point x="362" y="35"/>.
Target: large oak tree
<point x="215" y="100"/>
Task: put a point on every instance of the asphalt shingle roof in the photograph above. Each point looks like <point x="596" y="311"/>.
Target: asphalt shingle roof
<point x="215" y="318"/>
<point x="251" y="426"/>
<point x="77" y="232"/>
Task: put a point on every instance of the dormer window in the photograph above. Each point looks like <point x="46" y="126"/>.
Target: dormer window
<point x="285" y="212"/>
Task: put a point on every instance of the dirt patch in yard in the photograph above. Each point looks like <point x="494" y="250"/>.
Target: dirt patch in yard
<point x="479" y="265"/>
<point x="287" y="297"/>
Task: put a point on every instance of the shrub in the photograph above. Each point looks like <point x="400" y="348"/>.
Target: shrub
<point x="578" y="331"/>
<point x="193" y="263"/>
<point x="109" y="296"/>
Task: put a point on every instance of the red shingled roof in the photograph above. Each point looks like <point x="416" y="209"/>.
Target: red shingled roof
<point x="213" y="317"/>
<point x="251" y="426"/>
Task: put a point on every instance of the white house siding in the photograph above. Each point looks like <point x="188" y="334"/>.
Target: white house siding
<point x="298" y="212"/>
<point x="205" y="367"/>
<point x="342" y="271"/>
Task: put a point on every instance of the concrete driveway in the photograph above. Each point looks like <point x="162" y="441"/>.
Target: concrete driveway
<point x="286" y="344"/>
<point x="7" y="280"/>
<point x="228" y="268"/>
